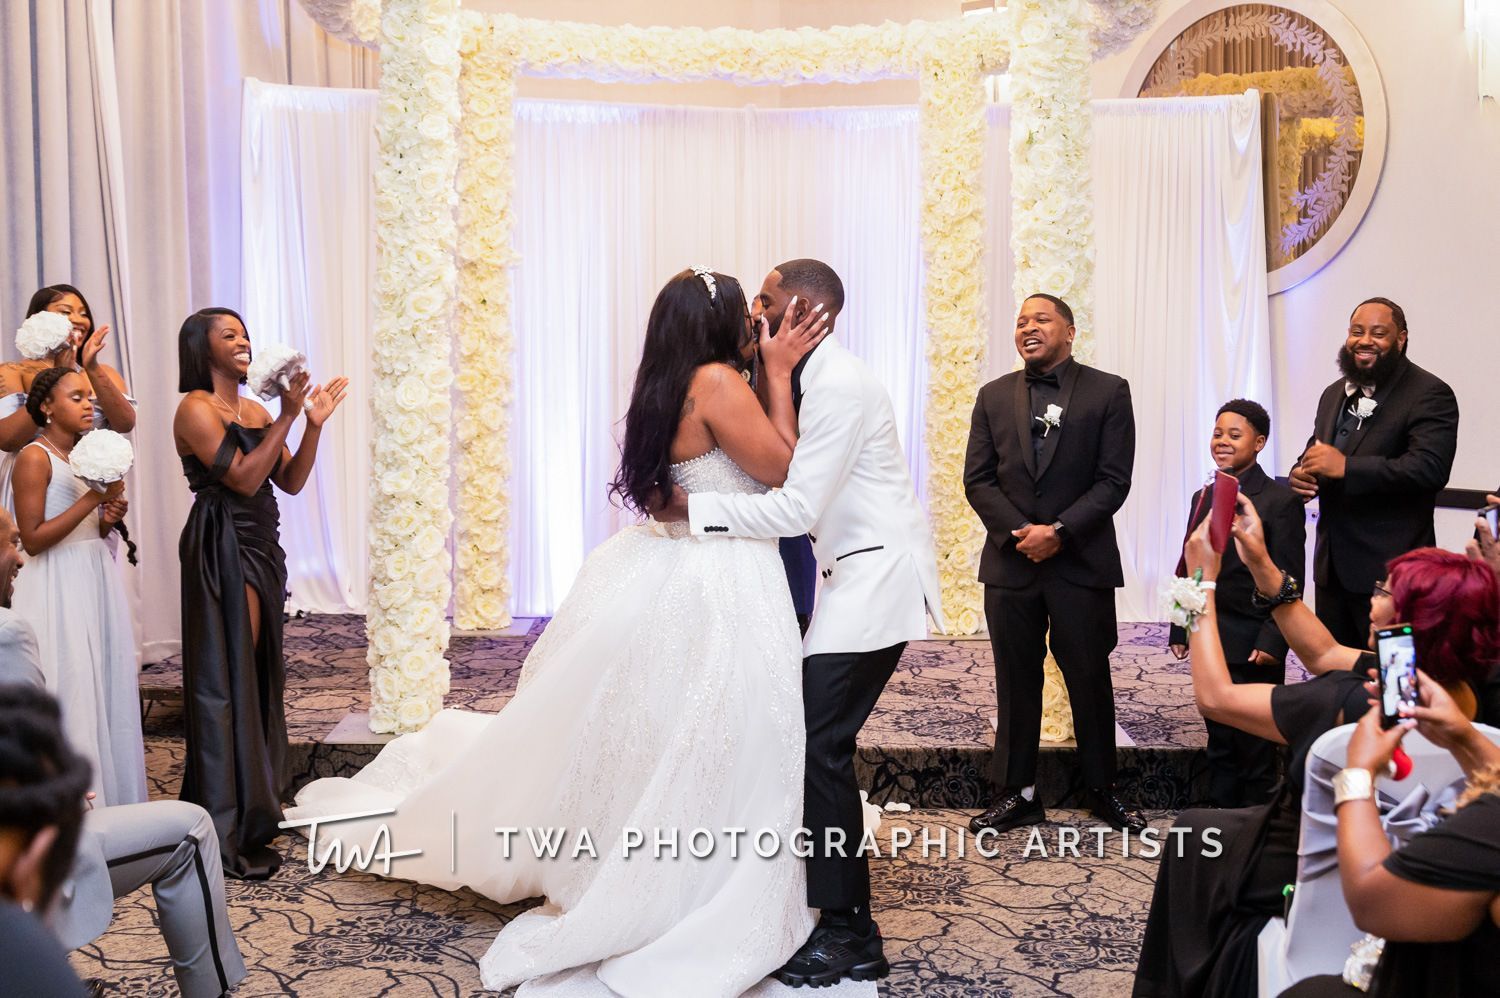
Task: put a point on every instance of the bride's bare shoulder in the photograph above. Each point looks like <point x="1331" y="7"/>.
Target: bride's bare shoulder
<point x="712" y="380"/>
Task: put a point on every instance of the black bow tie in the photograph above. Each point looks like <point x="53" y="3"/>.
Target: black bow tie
<point x="1037" y="378"/>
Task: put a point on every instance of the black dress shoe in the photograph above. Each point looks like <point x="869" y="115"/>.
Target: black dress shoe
<point x="832" y="953"/>
<point x="1010" y="811"/>
<point x="1104" y="805"/>
<point x="95" y="987"/>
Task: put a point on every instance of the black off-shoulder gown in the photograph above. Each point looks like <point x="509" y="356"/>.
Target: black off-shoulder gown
<point x="232" y="692"/>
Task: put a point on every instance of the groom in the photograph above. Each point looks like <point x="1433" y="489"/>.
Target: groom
<point x="848" y="488"/>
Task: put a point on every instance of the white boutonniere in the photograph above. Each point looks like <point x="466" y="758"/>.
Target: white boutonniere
<point x="1362" y="409"/>
<point x="1184" y="600"/>
<point x="1051" y="420"/>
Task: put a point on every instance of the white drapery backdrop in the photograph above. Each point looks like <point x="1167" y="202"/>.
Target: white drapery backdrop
<point x="119" y="173"/>
<point x="614" y="199"/>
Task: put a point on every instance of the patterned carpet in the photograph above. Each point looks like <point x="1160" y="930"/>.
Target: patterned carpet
<point x="1017" y="924"/>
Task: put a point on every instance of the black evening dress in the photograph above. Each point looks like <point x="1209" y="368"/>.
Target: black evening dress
<point x="1213" y="899"/>
<point x="232" y="691"/>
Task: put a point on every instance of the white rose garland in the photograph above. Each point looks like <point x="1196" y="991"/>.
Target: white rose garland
<point x="952" y="156"/>
<point x="416" y="284"/>
<point x="485" y="345"/>
<point x="1052" y="229"/>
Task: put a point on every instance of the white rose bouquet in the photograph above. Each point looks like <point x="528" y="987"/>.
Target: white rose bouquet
<point x="273" y="368"/>
<point x="43" y="335"/>
<point x="101" y="458"/>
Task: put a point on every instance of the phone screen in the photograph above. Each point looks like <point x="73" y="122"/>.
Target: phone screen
<point x="1397" y="652"/>
<point x="1491" y="516"/>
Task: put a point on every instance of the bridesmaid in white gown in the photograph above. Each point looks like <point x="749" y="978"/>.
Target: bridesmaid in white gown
<point x="72" y="594"/>
<point x="665" y="695"/>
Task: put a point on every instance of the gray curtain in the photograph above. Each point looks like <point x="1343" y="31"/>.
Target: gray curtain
<point x="120" y="173"/>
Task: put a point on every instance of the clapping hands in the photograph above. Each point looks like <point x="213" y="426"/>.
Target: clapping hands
<point x="324" y="399"/>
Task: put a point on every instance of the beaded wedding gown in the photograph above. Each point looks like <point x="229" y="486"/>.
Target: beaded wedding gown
<point x="664" y="695"/>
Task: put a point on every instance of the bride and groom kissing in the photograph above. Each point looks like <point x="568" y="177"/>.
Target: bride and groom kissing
<point x="672" y="689"/>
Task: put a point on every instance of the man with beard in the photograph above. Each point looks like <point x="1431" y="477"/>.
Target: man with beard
<point x="1381" y="450"/>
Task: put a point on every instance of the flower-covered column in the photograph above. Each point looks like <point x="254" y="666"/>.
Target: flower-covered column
<point x="952" y="136"/>
<point x="486" y="182"/>
<point x="415" y="282"/>
<point x="1052" y="227"/>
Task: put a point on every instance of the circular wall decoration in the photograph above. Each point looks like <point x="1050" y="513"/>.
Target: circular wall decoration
<point x="1323" y="113"/>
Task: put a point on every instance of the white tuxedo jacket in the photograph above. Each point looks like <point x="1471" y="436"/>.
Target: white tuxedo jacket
<point x="849" y="489"/>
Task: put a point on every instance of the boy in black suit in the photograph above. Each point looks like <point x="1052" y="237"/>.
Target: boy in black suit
<point x="1242" y="767"/>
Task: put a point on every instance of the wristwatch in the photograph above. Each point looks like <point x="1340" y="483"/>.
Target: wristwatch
<point x="1290" y="592"/>
<point x="1057" y="528"/>
<point x="1353" y="784"/>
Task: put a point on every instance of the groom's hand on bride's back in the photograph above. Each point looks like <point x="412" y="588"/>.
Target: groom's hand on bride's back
<point x="673" y="510"/>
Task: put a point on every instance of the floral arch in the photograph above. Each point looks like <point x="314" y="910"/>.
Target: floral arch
<point x="445" y="129"/>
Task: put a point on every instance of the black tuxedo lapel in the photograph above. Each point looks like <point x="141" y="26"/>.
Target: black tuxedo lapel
<point x="1328" y="415"/>
<point x="1023" y="424"/>
<point x="1253" y="481"/>
<point x="1382" y="396"/>
<point x="1069" y="380"/>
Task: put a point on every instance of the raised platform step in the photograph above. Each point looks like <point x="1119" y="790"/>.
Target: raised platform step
<point x="928" y="744"/>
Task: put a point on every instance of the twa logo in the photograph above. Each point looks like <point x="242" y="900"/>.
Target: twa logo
<point x="356" y="858"/>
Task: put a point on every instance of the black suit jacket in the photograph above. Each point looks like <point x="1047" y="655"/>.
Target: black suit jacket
<point x="1398" y="461"/>
<point x="1081" y="481"/>
<point x="1243" y="628"/>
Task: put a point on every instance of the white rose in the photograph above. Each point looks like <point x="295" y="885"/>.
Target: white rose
<point x="398" y="565"/>
<point x="412" y="394"/>
<point x="396" y="593"/>
<point x="416" y="667"/>
<point x="385" y="685"/>
<point x="413" y="714"/>
<point x="432" y="575"/>
<point x="429" y="543"/>
<point x="435" y="127"/>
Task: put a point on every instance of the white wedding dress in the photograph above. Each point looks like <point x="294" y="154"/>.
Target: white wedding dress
<point x="665" y="694"/>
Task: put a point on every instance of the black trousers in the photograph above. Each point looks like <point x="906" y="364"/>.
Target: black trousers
<point x="1242" y="768"/>
<point x="1084" y="635"/>
<point x="838" y="693"/>
<point x="1345" y="614"/>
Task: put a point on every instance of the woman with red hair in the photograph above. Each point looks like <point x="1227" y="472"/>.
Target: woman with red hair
<point x="1207" y="912"/>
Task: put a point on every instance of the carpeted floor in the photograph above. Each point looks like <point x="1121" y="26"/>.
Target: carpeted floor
<point x="1016" y="924"/>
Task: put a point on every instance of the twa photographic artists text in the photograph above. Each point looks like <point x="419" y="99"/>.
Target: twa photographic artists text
<point x="376" y="852"/>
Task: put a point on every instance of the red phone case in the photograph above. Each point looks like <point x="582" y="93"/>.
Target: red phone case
<point x="1221" y="517"/>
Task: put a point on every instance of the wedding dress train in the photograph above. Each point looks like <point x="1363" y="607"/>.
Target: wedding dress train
<point x="664" y="697"/>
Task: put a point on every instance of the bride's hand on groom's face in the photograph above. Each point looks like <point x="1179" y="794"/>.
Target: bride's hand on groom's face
<point x="780" y="353"/>
<point x="674" y="510"/>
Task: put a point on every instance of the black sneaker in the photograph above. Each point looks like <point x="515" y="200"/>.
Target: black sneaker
<point x="833" y="953"/>
<point x="1010" y="811"/>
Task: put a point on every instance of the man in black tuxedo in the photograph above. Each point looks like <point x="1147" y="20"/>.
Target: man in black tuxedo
<point x="1381" y="450"/>
<point x="1049" y="463"/>
<point x="1241" y="767"/>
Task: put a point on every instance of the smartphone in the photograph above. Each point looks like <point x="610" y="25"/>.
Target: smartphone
<point x="1396" y="651"/>
<point x="1491" y="516"/>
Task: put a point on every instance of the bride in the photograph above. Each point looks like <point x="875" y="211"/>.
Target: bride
<point x="664" y="697"/>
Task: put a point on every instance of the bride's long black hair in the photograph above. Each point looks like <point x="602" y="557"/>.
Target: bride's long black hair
<point x="689" y="327"/>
